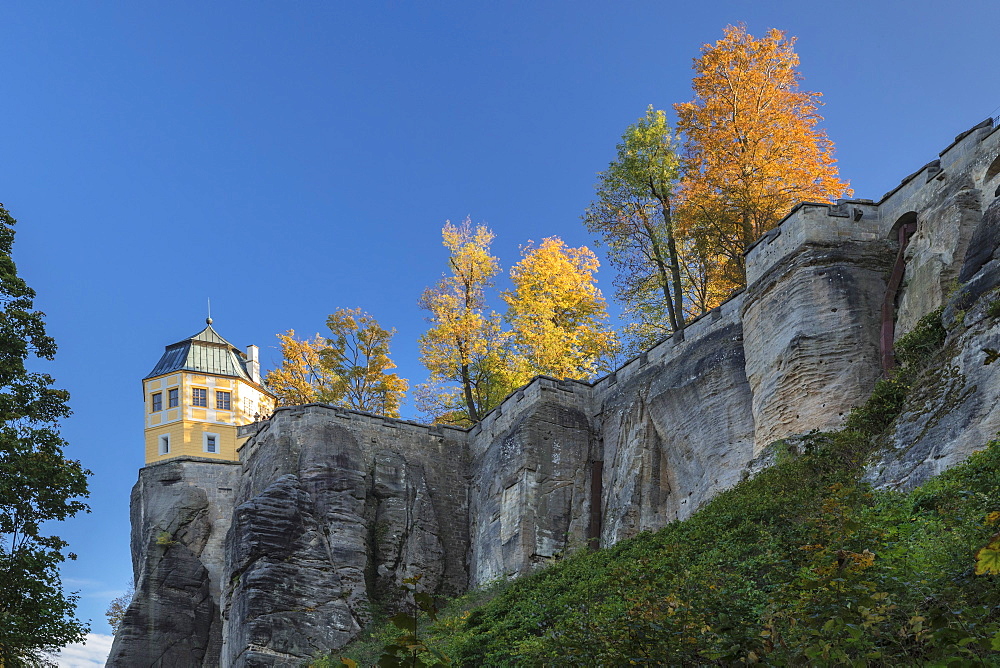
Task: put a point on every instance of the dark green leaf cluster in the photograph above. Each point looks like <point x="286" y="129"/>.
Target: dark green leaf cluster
<point x="37" y="483"/>
<point x="914" y="351"/>
<point x="916" y="348"/>
<point x="993" y="309"/>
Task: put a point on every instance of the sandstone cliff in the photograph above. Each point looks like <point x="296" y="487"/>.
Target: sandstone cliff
<point x="282" y="556"/>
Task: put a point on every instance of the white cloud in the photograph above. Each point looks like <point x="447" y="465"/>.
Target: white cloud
<point x="93" y="651"/>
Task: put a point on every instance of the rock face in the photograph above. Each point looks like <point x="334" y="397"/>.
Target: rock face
<point x="812" y="349"/>
<point x="956" y="408"/>
<point x="286" y="554"/>
<point x="677" y="428"/>
<point x="333" y="512"/>
<point x="530" y="494"/>
<point x="180" y="514"/>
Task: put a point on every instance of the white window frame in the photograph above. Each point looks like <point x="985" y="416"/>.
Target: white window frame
<point x="204" y="443"/>
<point x="164" y="444"/>
<point x="204" y="397"/>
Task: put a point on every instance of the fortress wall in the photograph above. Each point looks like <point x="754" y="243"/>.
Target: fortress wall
<point x="334" y="510"/>
<point x="955" y="409"/>
<point x="676" y="430"/>
<point x="529" y="497"/>
<point x="669" y="348"/>
<point x="812" y="223"/>
<point x="334" y="507"/>
<point x="811" y="326"/>
<point x="812" y="317"/>
<point x="498" y="421"/>
<point x="949" y="199"/>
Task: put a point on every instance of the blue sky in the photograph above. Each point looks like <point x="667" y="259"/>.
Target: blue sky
<point x="287" y="159"/>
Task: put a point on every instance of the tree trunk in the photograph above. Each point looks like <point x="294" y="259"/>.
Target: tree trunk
<point x="470" y="402"/>
<point x="675" y="265"/>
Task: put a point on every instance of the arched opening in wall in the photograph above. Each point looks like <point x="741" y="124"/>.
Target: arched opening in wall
<point x="991" y="174"/>
<point x="993" y="171"/>
<point x="902" y="231"/>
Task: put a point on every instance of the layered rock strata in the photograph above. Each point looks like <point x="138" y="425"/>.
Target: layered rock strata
<point x="955" y="409"/>
<point x="334" y="510"/>
<point x="181" y="512"/>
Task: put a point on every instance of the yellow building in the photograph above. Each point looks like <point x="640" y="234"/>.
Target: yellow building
<point x="197" y="395"/>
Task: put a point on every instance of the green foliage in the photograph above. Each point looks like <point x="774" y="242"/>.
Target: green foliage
<point x="914" y="351"/>
<point x="37" y="483"/>
<point x="632" y="217"/>
<point x="884" y="404"/>
<point x="993" y="309"/>
<point x="915" y="348"/>
<point x="408" y="646"/>
<point x="116" y="609"/>
<point x="164" y="539"/>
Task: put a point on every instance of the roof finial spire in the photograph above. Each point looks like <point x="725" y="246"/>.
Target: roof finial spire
<point x="208" y="320"/>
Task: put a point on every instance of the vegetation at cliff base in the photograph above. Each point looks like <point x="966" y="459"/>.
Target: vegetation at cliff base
<point x="801" y="565"/>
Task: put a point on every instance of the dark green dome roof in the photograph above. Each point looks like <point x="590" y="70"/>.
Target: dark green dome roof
<point x="205" y="352"/>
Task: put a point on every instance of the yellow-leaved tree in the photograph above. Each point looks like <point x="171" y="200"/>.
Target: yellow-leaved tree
<point x="347" y="368"/>
<point x="752" y="146"/>
<point x="463" y="348"/>
<point x="558" y="315"/>
<point x="357" y="354"/>
<point x="301" y="378"/>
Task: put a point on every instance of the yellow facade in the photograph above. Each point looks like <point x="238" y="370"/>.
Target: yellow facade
<point x="191" y="414"/>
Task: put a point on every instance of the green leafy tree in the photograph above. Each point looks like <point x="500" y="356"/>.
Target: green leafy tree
<point x="633" y="216"/>
<point x="410" y="649"/>
<point x="38" y="484"/>
<point x="116" y="609"/>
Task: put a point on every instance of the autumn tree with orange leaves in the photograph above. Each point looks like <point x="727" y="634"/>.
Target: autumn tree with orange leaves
<point x="752" y="148"/>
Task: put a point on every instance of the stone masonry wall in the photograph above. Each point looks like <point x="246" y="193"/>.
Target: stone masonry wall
<point x="675" y="426"/>
<point x="530" y="494"/>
